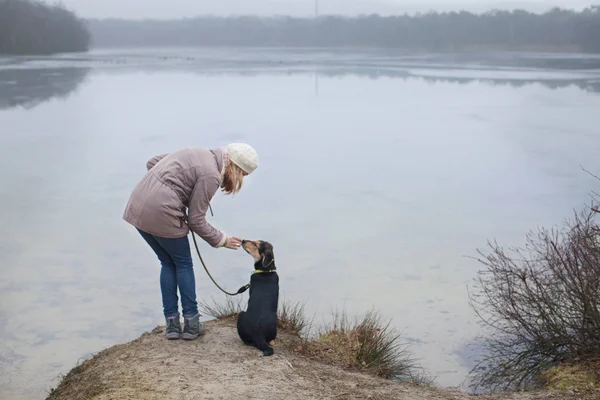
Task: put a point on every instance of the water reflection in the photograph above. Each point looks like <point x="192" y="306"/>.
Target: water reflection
<point x="591" y="85"/>
<point x="588" y="85"/>
<point x="28" y="88"/>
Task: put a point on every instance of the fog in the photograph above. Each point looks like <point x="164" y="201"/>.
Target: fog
<point x="135" y="9"/>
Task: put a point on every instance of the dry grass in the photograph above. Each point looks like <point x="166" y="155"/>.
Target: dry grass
<point x="580" y="378"/>
<point x="368" y="344"/>
<point x="420" y="377"/>
<point x="291" y="318"/>
<point x="229" y="309"/>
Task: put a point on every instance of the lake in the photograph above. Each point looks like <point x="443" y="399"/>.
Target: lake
<point x="380" y="176"/>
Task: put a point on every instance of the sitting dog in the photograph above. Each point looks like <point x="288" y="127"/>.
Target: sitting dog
<point x="257" y="326"/>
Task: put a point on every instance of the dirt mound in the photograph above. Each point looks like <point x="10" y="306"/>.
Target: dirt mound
<point x="219" y="366"/>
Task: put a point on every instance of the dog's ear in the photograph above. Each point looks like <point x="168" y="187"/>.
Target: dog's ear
<point x="268" y="257"/>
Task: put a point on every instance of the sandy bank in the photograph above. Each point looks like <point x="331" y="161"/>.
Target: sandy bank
<point x="219" y="366"/>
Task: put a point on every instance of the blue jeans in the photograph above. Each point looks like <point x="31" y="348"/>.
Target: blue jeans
<point x="177" y="271"/>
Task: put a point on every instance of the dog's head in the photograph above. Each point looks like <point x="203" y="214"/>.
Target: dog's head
<point x="261" y="251"/>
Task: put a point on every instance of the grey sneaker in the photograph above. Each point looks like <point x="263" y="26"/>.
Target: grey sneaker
<point x="173" y="331"/>
<point x="192" y="328"/>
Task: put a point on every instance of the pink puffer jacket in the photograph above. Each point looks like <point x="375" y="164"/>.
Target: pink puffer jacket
<point x="188" y="178"/>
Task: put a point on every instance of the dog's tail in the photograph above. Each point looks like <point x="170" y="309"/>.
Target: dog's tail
<point x="263" y="346"/>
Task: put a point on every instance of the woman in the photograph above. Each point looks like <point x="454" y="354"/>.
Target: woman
<point x="187" y="178"/>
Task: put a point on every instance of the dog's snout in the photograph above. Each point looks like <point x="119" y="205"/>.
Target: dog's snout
<point x="243" y="241"/>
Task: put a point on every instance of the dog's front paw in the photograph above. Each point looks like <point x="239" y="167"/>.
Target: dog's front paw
<point x="268" y="352"/>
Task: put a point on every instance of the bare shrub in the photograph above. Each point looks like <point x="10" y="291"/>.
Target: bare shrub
<point x="542" y="303"/>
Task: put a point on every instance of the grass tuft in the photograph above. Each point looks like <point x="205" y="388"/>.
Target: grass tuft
<point x="582" y="378"/>
<point x="420" y="377"/>
<point x="229" y="309"/>
<point x="291" y="317"/>
<point x="368" y="344"/>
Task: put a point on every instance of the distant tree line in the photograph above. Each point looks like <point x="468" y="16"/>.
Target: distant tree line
<point x="557" y="29"/>
<point x="32" y="27"/>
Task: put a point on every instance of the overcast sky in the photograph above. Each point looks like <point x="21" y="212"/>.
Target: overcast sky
<point x="188" y="8"/>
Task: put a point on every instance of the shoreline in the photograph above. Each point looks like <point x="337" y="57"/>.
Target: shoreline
<point x="218" y="365"/>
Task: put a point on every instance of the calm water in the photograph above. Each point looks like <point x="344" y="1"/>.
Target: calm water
<point x="380" y="174"/>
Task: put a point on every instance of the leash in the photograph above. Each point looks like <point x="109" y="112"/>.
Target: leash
<point x="243" y="288"/>
<point x="240" y="290"/>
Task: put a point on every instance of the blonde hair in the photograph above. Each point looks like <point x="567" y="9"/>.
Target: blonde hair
<point x="233" y="178"/>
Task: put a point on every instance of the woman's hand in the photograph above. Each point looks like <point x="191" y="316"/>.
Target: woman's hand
<point x="233" y="243"/>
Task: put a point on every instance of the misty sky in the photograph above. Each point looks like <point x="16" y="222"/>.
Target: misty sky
<point x="188" y="8"/>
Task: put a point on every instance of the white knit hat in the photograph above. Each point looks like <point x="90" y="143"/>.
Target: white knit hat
<point x="244" y="156"/>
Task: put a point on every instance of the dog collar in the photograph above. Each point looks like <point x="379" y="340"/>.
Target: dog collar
<point x="262" y="271"/>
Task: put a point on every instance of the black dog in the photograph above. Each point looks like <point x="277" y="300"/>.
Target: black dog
<point x="257" y="326"/>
